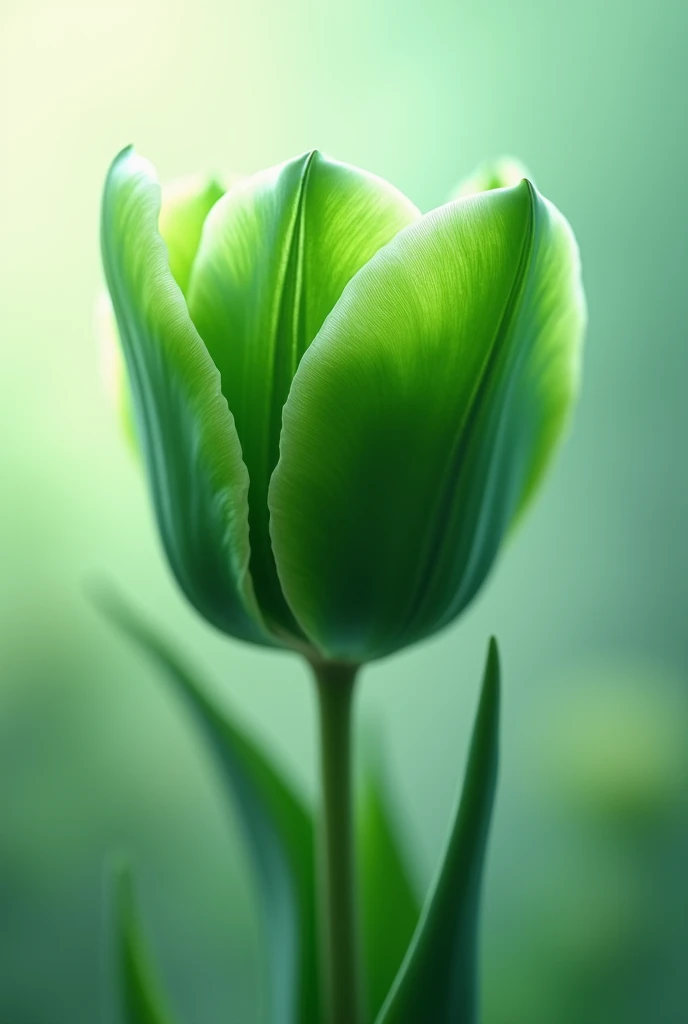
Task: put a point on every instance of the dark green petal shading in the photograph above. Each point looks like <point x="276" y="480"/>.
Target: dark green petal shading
<point x="187" y="434"/>
<point x="275" y="256"/>
<point x="421" y="419"/>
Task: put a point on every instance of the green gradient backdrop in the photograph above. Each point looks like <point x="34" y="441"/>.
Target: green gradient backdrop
<point x="592" y="98"/>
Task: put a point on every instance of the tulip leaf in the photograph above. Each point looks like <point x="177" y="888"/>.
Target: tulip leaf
<point x="438" y="979"/>
<point x="389" y="905"/>
<point x="421" y="418"/>
<point x="275" y="255"/>
<point x="277" y="828"/>
<point x="183" y="426"/>
<point x="139" y="994"/>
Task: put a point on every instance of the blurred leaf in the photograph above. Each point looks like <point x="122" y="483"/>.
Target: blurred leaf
<point x="389" y="905"/>
<point x="277" y="828"/>
<point x="139" y="992"/>
<point x="437" y="981"/>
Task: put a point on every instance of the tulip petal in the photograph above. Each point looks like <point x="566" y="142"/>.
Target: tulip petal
<point x="421" y="419"/>
<point x="185" y="430"/>
<point x="113" y="368"/>
<point x="504" y="172"/>
<point x="275" y="256"/>
<point x="185" y="206"/>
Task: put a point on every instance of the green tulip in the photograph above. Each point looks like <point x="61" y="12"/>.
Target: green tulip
<point x="342" y="405"/>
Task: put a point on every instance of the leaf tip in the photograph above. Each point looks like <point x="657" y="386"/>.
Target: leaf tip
<point x="487" y="721"/>
<point x="493" y="666"/>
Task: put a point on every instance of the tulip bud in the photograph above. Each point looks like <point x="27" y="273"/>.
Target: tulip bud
<point x="342" y="404"/>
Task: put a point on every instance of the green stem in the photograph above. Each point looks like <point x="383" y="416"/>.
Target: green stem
<point x="338" y="902"/>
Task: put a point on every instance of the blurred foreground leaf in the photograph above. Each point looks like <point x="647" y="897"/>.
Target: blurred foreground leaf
<point x="277" y="827"/>
<point x="389" y="905"/>
<point x="437" y="981"/>
<point x="139" y="991"/>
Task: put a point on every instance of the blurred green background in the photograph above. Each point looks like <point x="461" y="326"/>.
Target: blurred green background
<point x="586" y="899"/>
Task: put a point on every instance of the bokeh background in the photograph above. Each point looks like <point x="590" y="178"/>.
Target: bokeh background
<point x="586" y="896"/>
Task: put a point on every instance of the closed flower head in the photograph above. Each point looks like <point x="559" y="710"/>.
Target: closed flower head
<point x="342" y="405"/>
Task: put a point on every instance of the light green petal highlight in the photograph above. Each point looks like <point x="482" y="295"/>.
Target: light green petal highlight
<point x="113" y="367"/>
<point x="275" y="255"/>
<point x="421" y="419"/>
<point x="505" y="172"/>
<point x="185" y="206"/>
<point x="186" y="432"/>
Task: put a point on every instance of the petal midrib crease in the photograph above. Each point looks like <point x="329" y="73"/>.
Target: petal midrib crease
<point x="436" y="538"/>
<point x="286" y="353"/>
<point x="261" y="411"/>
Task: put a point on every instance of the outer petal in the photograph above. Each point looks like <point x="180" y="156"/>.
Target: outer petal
<point x="187" y="434"/>
<point x="421" y="419"/>
<point x="275" y="256"/>
<point x="185" y="206"/>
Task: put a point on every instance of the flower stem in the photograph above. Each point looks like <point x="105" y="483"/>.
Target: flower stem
<point x="337" y="888"/>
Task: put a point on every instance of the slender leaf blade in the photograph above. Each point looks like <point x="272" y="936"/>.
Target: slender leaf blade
<point x="139" y="992"/>
<point x="438" y="979"/>
<point x="277" y="827"/>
